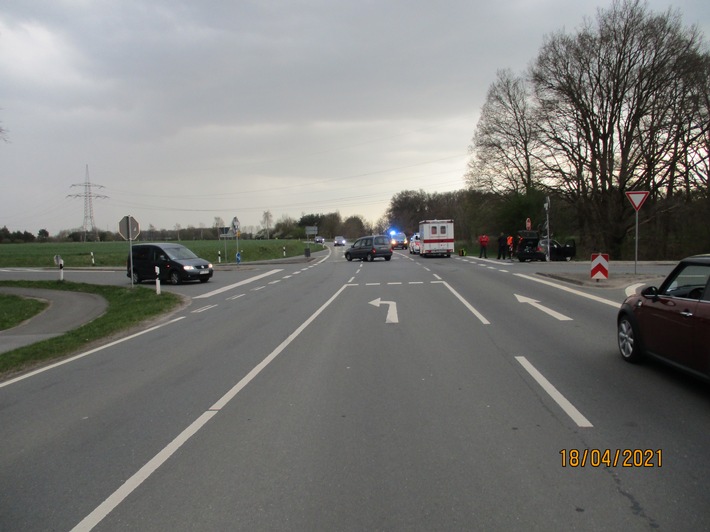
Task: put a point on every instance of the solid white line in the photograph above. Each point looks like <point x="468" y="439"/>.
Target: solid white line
<point x="614" y="304"/>
<point x="87" y="353"/>
<point x="128" y="487"/>
<point x="227" y="397"/>
<point x="437" y="277"/>
<point x="482" y="319"/>
<point x="556" y="396"/>
<point x="106" y="507"/>
<point x="240" y="283"/>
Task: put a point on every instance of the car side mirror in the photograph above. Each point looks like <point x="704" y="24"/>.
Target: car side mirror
<point x="650" y="292"/>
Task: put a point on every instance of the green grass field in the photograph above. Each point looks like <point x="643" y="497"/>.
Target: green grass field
<point x="114" y="254"/>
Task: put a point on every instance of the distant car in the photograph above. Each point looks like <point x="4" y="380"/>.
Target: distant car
<point x="339" y="241"/>
<point x="527" y="246"/>
<point x="320" y="240"/>
<point x="531" y="247"/>
<point x="399" y="241"/>
<point x="415" y="244"/>
<point x="672" y="322"/>
<point x="557" y="250"/>
<point x="175" y="262"/>
<point x="369" y="248"/>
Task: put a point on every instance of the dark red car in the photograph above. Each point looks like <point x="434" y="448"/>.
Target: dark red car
<point x="671" y="322"/>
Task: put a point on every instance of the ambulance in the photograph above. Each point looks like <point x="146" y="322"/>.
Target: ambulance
<point x="437" y="238"/>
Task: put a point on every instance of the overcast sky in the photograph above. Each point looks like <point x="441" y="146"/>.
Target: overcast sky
<point x="187" y="110"/>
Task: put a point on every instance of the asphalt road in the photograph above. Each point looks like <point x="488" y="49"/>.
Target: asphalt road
<point x="440" y="394"/>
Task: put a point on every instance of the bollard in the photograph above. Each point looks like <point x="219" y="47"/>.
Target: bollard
<point x="92" y="259"/>
<point x="219" y="257"/>
<point x="157" y="280"/>
<point x="61" y="270"/>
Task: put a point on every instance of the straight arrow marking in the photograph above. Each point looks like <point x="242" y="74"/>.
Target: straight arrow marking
<point x="391" y="309"/>
<point x="537" y="305"/>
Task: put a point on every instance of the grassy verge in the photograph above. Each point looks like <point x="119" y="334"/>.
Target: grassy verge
<point x="127" y="307"/>
<point x="114" y="254"/>
<point x="15" y="309"/>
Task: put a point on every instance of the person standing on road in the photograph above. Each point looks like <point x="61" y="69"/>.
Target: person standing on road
<point x="502" y="246"/>
<point x="510" y="246"/>
<point x="483" y="242"/>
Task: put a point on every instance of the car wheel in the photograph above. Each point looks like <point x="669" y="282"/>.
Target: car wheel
<point x="388" y="258"/>
<point x="568" y="259"/>
<point x="136" y="277"/>
<point x="370" y="257"/>
<point x="629" y="340"/>
<point x="348" y="257"/>
<point x="174" y="278"/>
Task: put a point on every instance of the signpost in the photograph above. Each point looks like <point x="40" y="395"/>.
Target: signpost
<point x="129" y="229"/>
<point x="637" y="199"/>
<point x="235" y="230"/>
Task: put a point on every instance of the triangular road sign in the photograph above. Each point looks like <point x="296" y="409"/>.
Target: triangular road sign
<point x="637" y="197"/>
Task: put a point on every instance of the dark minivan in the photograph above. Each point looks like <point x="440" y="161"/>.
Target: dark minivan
<point x="175" y="261"/>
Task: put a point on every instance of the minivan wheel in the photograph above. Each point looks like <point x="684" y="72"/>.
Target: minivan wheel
<point x="388" y="257"/>
<point x="629" y="342"/>
<point x="174" y="278"/>
<point x="136" y="277"/>
<point x="370" y="257"/>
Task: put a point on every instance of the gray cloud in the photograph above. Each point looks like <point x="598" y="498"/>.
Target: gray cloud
<point x="189" y="110"/>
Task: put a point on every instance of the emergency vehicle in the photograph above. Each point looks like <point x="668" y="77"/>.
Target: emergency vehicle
<point x="436" y="238"/>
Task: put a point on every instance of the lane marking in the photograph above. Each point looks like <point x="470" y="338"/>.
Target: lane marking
<point x="240" y="283"/>
<point x="202" y="309"/>
<point x="571" y="290"/>
<point x="556" y="396"/>
<point x="631" y="290"/>
<point x="87" y="353"/>
<point x="466" y="304"/>
<point x="128" y="487"/>
<point x="391" y="309"/>
<point x="535" y="303"/>
<point x="235" y="297"/>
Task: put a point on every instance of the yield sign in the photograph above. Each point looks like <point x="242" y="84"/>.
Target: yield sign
<point x="600" y="266"/>
<point x="637" y="197"/>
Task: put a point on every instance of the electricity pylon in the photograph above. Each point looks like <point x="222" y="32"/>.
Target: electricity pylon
<point x="88" y="196"/>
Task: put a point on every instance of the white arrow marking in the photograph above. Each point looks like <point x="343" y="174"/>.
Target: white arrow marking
<point x="391" y="310"/>
<point x="537" y="305"/>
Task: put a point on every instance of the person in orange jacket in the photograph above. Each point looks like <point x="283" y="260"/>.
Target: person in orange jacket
<point x="483" y="241"/>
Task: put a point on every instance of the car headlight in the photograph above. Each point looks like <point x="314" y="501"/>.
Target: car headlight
<point x="188" y="267"/>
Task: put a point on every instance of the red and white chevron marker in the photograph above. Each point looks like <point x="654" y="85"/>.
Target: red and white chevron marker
<point x="600" y="265"/>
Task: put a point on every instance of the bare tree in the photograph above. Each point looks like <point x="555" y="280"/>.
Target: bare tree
<point x="609" y="101"/>
<point x="505" y="139"/>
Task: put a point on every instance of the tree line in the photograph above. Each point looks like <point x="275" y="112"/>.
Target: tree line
<point x="622" y="104"/>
